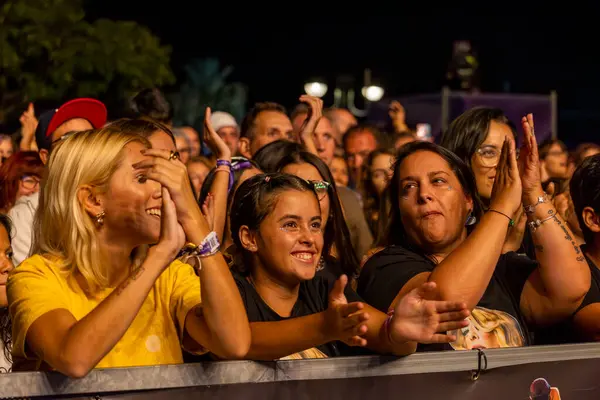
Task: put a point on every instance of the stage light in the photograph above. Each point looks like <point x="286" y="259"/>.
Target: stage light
<point x="373" y="92"/>
<point x="317" y="89"/>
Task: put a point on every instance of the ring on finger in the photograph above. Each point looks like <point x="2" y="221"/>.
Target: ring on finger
<point x="174" y="155"/>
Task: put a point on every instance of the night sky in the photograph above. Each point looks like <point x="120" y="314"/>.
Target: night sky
<point x="274" y="56"/>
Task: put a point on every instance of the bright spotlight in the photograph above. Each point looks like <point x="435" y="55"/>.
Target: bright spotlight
<point x="317" y="89"/>
<point x="373" y="93"/>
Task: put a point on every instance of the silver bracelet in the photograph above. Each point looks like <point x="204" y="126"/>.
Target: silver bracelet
<point x="535" y="224"/>
<point x="531" y="208"/>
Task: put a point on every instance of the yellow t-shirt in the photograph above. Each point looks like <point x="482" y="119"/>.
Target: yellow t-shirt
<point x="38" y="286"/>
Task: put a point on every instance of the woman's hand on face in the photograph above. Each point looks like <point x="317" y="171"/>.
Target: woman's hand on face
<point x="213" y="140"/>
<point x="507" y="191"/>
<point x="345" y="322"/>
<point x="172" y="237"/>
<point x="529" y="160"/>
<point x="417" y="319"/>
<point x="172" y="174"/>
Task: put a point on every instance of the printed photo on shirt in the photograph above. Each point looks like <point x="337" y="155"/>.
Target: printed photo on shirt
<point x="306" y="354"/>
<point x="489" y="329"/>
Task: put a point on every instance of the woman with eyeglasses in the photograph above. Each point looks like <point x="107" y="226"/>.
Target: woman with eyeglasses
<point x="476" y="137"/>
<point x="277" y="227"/>
<point x="432" y="237"/>
<point x="20" y="176"/>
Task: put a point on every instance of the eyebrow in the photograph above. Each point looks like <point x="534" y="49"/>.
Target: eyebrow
<point x="297" y="217"/>
<point x="434" y="173"/>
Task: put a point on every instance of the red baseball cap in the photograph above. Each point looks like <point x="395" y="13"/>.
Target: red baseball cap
<point x="90" y="109"/>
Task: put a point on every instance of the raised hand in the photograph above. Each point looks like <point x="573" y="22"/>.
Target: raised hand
<point x="315" y="114"/>
<point x="529" y="159"/>
<point x="213" y="140"/>
<point x="345" y="322"/>
<point x="426" y="321"/>
<point x="172" y="237"/>
<point x="507" y="191"/>
<point x="172" y="174"/>
<point x="398" y="116"/>
<point x="208" y="210"/>
<point x="29" y="124"/>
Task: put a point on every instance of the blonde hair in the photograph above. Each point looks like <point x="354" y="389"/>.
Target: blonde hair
<point x="63" y="229"/>
<point x="503" y="326"/>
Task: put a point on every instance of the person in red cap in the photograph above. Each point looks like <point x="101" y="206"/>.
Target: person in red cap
<point x="73" y="116"/>
<point x="53" y="125"/>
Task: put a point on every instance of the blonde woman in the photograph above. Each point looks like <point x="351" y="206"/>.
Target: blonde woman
<point x="489" y="329"/>
<point x="90" y="297"/>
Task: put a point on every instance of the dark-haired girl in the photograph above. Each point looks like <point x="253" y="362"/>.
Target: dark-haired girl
<point x="432" y="238"/>
<point x="276" y="222"/>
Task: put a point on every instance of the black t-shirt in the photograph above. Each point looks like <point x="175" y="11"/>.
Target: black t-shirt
<point x="313" y="297"/>
<point x="496" y="321"/>
<point x="566" y="332"/>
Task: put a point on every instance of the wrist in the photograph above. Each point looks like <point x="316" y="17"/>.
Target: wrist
<point x="532" y="196"/>
<point x="392" y="336"/>
<point x="194" y="226"/>
<point x="161" y="255"/>
<point x="327" y="333"/>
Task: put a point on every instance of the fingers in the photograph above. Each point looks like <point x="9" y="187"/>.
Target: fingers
<point x="550" y="190"/>
<point x="355" y="322"/>
<point x="337" y="291"/>
<point x="356" y="341"/>
<point x="452" y="325"/>
<point x="512" y="160"/>
<point x="160" y="162"/>
<point x="441" y="338"/>
<point x="501" y="173"/>
<point x="426" y="290"/>
<point x="453" y="316"/>
<point x="450" y="306"/>
<point x="161" y="153"/>
<point x="352" y="308"/>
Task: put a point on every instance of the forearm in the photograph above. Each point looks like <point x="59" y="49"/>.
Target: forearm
<point x="562" y="266"/>
<point x="219" y="190"/>
<point x="466" y="272"/>
<point x="274" y="340"/>
<point x="89" y="340"/>
<point x="226" y="332"/>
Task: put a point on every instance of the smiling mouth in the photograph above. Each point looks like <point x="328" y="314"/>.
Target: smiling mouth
<point x="304" y="257"/>
<point x="155" y="212"/>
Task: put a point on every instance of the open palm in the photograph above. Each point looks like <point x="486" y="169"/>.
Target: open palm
<point x="426" y="321"/>
<point x="529" y="160"/>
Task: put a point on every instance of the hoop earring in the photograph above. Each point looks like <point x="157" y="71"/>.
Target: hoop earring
<point x="100" y="218"/>
<point x="471" y="219"/>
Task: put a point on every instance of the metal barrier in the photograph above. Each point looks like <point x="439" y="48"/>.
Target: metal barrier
<point x="495" y="373"/>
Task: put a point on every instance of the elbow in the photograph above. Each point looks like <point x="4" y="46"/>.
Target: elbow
<point x="74" y="367"/>
<point x="238" y="347"/>
<point x="75" y="370"/>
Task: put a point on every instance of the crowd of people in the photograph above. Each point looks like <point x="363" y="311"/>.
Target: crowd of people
<point x="130" y="241"/>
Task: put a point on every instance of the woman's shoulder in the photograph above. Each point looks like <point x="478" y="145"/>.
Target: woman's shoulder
<point x="382" y="256"/>
<point x="44" y="264"/>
